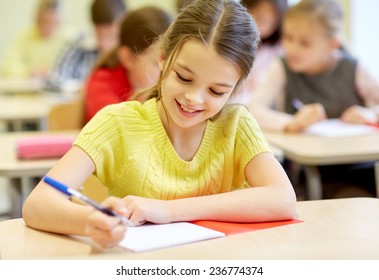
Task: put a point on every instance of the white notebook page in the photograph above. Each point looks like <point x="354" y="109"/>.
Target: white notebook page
<point x="152" y="236"/>
<point x="336" y="128"/>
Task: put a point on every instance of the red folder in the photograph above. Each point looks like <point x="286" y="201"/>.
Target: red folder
<point x="233" y="228"/>
<point x="376" y="125"/>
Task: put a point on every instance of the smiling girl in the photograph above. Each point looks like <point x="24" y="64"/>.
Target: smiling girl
<point x="182" y="155"/>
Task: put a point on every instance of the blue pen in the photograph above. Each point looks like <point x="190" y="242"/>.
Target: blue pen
<point x="297" y="104"/>
<point x="70" y="192"/>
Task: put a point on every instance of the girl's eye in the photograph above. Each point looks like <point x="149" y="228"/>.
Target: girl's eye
<point x="182" y="78"/>
<point x="216" y="93"/>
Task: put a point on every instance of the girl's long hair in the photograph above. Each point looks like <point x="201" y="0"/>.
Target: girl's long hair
<point x="224" y="24"/>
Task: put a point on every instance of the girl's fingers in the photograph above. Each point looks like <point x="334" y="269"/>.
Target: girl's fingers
<point x="107" y="239"/>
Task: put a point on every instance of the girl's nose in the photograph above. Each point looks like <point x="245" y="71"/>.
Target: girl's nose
<point x="194" y="97"/>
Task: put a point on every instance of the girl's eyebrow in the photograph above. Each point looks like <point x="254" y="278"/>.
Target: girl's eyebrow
<point x="190" y="71"/>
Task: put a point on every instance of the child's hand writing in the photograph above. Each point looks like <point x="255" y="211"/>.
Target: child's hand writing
<point x="106" y="230"/>
<point x="306" y="116"/>
<point x="359" y="115"/>
<point x="141" y="210"/>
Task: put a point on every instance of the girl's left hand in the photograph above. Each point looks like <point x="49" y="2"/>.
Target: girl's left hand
<point x="141" y="210"/>
<point x="359" y="115"/>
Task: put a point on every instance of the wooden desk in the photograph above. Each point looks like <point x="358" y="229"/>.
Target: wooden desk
<point x="332" y="229"/>
<point x="312" y="151"/>
<point x="21" y="172"/>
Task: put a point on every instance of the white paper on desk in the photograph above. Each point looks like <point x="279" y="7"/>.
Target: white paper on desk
<point x="156" y="236"/>
<point x="337" y="128"/>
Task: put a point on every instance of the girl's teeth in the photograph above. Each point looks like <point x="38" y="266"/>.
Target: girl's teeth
<point x="189" y="111"/>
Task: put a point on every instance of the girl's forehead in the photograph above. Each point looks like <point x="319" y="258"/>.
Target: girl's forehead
<point x="194" y="52"/>
<point x="201" y="59"/>
<point x="300" y="19"/>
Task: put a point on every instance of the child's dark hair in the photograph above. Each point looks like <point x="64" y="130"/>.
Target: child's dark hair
<point x="224" y="24"/>
<point x="281" y="6"/>
<point x="139" y="29"/>
<point x="142" y="27"/>
<point x="107" y="11"/>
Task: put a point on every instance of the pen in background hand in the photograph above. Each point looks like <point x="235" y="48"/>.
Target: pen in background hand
<point x="70" y="192"/>
<point x="297" y="104"/>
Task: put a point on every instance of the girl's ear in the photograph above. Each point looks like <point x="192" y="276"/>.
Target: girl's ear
<point x="126" y="57"/>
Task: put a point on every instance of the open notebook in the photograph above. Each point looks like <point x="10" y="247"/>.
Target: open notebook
<point x="337" y="128"/>
<point x="150" y="237"/>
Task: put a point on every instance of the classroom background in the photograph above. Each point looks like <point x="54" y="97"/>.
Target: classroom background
<point x="360" y="37"/>
<point x="361" y="21"/>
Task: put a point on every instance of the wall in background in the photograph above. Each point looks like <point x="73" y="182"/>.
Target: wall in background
<point x="364" y="39"/>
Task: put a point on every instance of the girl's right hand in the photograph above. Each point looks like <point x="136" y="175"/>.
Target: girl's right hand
<point x="306" y="116"/>
<point x="105" y="230"/>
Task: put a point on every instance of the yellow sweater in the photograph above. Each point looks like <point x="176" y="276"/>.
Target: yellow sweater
<point x="134" y="156"/>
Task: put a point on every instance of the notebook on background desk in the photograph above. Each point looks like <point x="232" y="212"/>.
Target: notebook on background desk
<point x="337" y="128"/>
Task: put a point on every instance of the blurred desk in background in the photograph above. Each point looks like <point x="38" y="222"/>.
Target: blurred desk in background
<point x="17" y="109"/>
<point x="311" y="151"/>
<point x="277" y="152"/>
<point x="21" y="172"/>
<point x="11" y="86"/>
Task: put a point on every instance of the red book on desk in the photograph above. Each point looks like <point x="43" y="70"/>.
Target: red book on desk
<point x="44" y="146"/>
<point x="232" y="228"/>
<point x="376" y="125"/>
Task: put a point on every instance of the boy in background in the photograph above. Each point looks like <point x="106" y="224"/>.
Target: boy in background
<point x="77" y="59"/>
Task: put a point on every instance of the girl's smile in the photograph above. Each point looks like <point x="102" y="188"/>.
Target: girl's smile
<point x="187" y="111"/>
